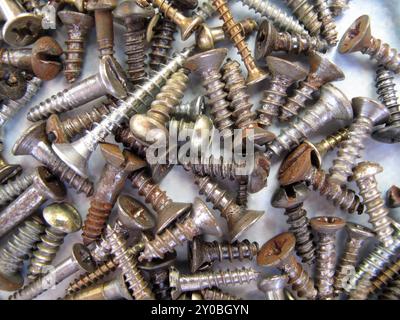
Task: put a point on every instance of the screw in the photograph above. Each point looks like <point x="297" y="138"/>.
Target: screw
<point x="202" y="255"/>
<point x="269" y="40"/>
<point x="167" y="210"/>
<point x="78" y="26"/>
<point x="77" y="154"/>
<point x="278" y="252"/>
<point x="274" y="287"/>
<point x="21" y="28"/>
<point x="392" y="292"/>
<point x="332" y="105"/>
<point x="61" y="219"/>
<point x="13" y="83"/>
<point x="44" y="187"/>
<point x="306" y="13"/>
<point x="43" y="60"/>
<point x="79" y="260"/>
<point x="133" y="17"/>
<point x="245" y="119"/>
<point x="16" y="250"/>
<point x="119" y="166"/>
<point x="190" y="110"/>
<point x="207" y="37"/>
<point x="356" y="237"/>
<point x="216" y="294"/>
<point x="159" y="275"/>
<point x="393" y="197"/>
<point x="63" y="131"/>
<point x="34" y="142"/>
<point x="205" y="10"/>
<point x="364" y="175"/>
<point x="328" y="24"/>
<point x="337" y="7"/>
<point x="238" y="220"/>
<point x="80" y="5"/>
<point x="199" y="221"/>
<point x="7" y="171"/>
<point x="254" y="74"/>
<point x="326" y="229"/>
<point x="150" y="127"/>
<point x="322" y="71"/>
<point x="276" y="15"/>
<point x="242" y="194"/>
<point x="138" y="287"/>
<point x="207" y="280"/>
<point x="109" y="80"/>
<point x="283" y="74"/>
<point x="368" y="113"/>
<point x="15" y="187"/>
<point x="291" y="198"/>
<point x="388" y="96"/>
<point x="387" y="276"/>
<point x="331" y="142"/>
<point x="207" y="64"/>
<point x="358" y="38"/>
<point x="103" y="269"/>
<point x="302" y="165"/>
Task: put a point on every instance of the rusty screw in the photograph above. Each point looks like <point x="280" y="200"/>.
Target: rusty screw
<point x="78" y="26"/>
<point x="44" y="187"/>
<point x="278" y="252"/>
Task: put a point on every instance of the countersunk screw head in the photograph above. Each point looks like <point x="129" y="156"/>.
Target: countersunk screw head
<point x="259" y="174"/>
<point x="273" y="283"/>
<point x="365" y="107"/>
<point x="29" y="139"/>
<point x="134" y="214"/>
<point x="22" y="30"/>
<point x="327" y="224"/>
<point x="357" y="231"/>
<point x="196" y="255"/>
<point x="49" y="184"/>
<point x="81" y="255"/>
<point x="171" y="213"/>
<point x="323" y="69"/>
<point x="357" y="37"/>
<point x="131" y="10"/>
<point x="204" y="218"/>
<point x="338" y="103"/>
<point x="366" y="169"/>
<point x="265" y="39"/>
<point x="92" y="5"/>
<point x="113" y="77"/>
<point x="277" y="250"/>
<point x="62" y="217"/>
<point x="290" y="70"/>
<point x="55" y="130"/>
<point x="84" y="21"/>
<point x="290" y="196"/>
<point x="208" y="60"/>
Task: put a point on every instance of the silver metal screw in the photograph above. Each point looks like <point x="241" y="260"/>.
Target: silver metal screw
<point x="274" y="287"/>
<point x="15" y="187"/>
<point x="306" y="13"/>
<point x="190" y="110"/>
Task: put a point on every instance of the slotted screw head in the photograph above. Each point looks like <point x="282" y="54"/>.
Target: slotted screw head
<point x="134" y="214"/>
<point x="147" y="130"/>
<point x="365" y="107"/>
<point x="277" y="250"/>
<point x="258" y="176"/>
<point x="357" y="37"/>
<point x="112" y="76"/>
<point x="62" y="217"/>
<point x="327" y="224"/>
<point x="8" y="171"/>
<point x="30" y="23"/>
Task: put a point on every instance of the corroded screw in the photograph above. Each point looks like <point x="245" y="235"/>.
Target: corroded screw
<point x="356" y="237"/>
<point x="274" y="287"/>
<point x="78" y="26"/>
<point x="61" y="219"/>
<point x="238" y="219"/>
<point x="332" y="105"/>
<point x="364" y="175"/>
<point x="203" y="280"/>
<point x="34" y="142"/>
<point x="205" y="10"/>
<point x="109" y="80"/>
<point x="291" y="198"/>
<point x="278" y="252"/>
<point x="326" y="229"/>
<point x="119" y="166"/>
<point x="79" y="260"/>
<point x="199" y="221"/>
<point x="322" y="71"/>
<point x="254" y="74"/>
<point x="202" y="255"/>
<point x="283" y="74"/>
<point x="358" y="38"/>
<point x="207" y="65"/>
<point x="328" y="24"/>
<point x="368" y="113"/>
<point x="389" y="133"/>
<point x="16" y="250"/>
<point x="134" y="17"/>
<point x="269" y="39"/>
<point x="44" y="187"/>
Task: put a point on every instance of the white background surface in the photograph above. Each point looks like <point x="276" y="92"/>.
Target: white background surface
<point x="360" y="74"/>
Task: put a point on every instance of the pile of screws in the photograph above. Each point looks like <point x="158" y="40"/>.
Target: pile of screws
<point x="128" y="247"/>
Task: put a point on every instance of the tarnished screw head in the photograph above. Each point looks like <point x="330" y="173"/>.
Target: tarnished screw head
<point x="273" y="283"/>
<point x="196" y="256"/>
<point x="130" y="10"/>
<point x="366" y="169"/>
<point x="282" y="67"/>
<point x="112" y="76"/>
<point x="55" y="129"/>
<point x="62" y="217"/>
<point x="147" y="130"/>
<point x="170" y="214"/>
<point x="8" y="171"/>
<point x="323" y="70"/>
<point x="327" y="224"/>
<point x="357" y="231"/>
<point x="157" y="264"/>
<point x="209" y="60"/>
<point x="134" y="214"/>
<point x="277" y="250"/>
<point x="81" y="255"/>
<point x="204" y="219"/>
<point x="357" y="37"/>
<point x="338" y="103"/>
<point x="290" y="196"/>
<point x="22" y="30"/>
<point x="202" y="133"/>
<point x="73" y="18"/>
<point x="371" y="109"/>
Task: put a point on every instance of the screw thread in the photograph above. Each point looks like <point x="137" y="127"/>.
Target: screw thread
<point x="205" y="10"/>
<point x="20" y="246"/>
<point x="328" y="24"/>
<point x="332" y="141"/>
<point x="276" y="15"/>
<point x="376" y="209"/>
<point x="297" y="101"/>
<point x="217" y="99"/>
<point x="300" y="227"/>
<point x="386" y="276"/>
<point x="214" y="167"/>
<point x="136" y="283"/>
<point x="189" y="110"/>
<point x="305" y="12"/>
<point x="160" y="284"/>
<point x="338" y="6"/>
<point x="14" y="188"/>
<point x="215" y="294"/>
<point x="392" y="292"/>
<point x="361" y="292"/>
<point x="162" y="43"/>
<point x="387" y="94"/>
<point x="383" y="54"/>
<point x="46" y="250"/>
<point x="341" y="197"/>
<point x="239" y="250"/>
<point x="134" y="37"/>
<point x="96" y="220"/>
<point x="235" y="85"/>
<point x="242" y="195"/>
<point x="125" y="136"/>
<point x="298" y="43"/>
<point x="350" y="150"/>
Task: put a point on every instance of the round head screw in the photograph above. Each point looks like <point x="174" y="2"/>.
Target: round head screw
<point x="207" y="37"/>
<point x="62" y="217"/>
<point x="133" y="214"/>
<point x="371" y="109"/>
<point x="327" y="225"/>
<point x="357" y="37"/>
<point x="203" y="130"/>
<point x="274" y="286"/>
